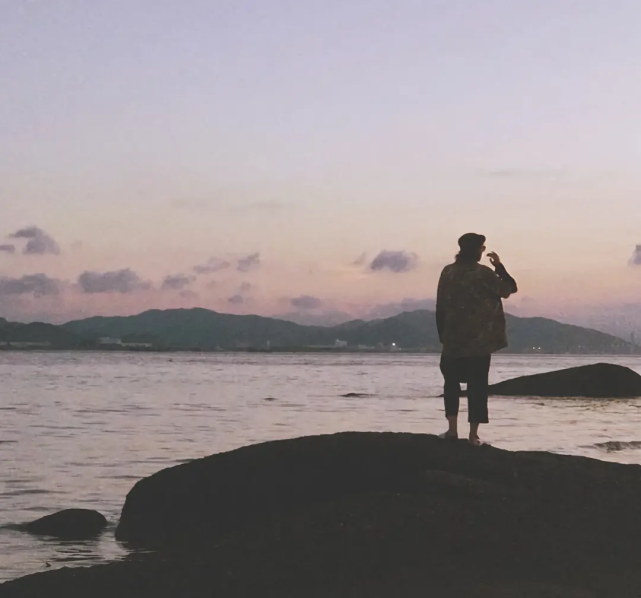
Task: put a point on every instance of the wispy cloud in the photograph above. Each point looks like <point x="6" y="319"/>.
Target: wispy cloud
<point x="201" y="205"/>
<point x="306" y="302"/>
<point x="518" y="173"/>
<point x="38" y="241"/>
<point x="191" y="295"/>
<point x="176" y="282"/>
<point x="212" y="265"/>
<point x="361" y="260"/>
<point x="7" y="248"/>
<point x="236" y="299"/>
<point x="38" y="285"/>
<point x="249" y="262"/>
<point x="635" y="260"/>
<point x="120" y="281"/>
<point x="394" y="261"/>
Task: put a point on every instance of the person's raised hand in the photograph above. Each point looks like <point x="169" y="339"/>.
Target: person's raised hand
<point x="495" y="260"/>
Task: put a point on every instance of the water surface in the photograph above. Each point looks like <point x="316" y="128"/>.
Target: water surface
<point x="78" y="429"/>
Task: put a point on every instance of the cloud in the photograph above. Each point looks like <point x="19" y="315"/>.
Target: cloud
<point x="249" y="262"/>
<point x="120" y="281"/>
<point x="39" y="242"/>
<point x="176" y="282"/>
<point x="212" y="265"/>
<point x="635" y="260"/>
<point x="394" y="261"/>
<point x="516" y="173"/>
<point x="306" y="302"/>
<point x="361" y="260"/>
<point x="236" y="299"/>
<point x="189" y="295"/>
<point x="245" y="287"/>
<point x="7" y="248"/>
<point x="37" y="285"/>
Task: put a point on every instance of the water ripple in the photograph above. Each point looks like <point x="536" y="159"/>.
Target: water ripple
<point x="79" y="429"/>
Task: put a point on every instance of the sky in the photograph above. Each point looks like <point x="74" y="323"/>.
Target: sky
<point x="317" y="159"/>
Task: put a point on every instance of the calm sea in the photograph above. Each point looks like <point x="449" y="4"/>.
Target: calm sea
<point x="78" y="429"/>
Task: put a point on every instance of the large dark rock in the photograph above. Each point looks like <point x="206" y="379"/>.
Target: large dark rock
<point x="73" y="524"/>
<point x="373" y="514"/>
<point x="600" y="380"/>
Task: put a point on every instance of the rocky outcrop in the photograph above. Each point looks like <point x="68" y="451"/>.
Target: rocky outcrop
<point x="600" y="380"/>
<point x="596" y="381"/>
<point x="373" y="514"/>
<point x="71" y="524"/>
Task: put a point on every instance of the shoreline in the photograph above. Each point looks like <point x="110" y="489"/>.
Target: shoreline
<point x="286" y="351"/>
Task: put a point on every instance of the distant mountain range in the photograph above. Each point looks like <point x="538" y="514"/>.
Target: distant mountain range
<point x="208" y="330"/>
<point x="205" y="329"/>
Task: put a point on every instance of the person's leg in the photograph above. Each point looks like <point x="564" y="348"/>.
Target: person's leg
<point x="477" y="394"/>
<point x="451" y="393"/>
<point x="474" y="435"/>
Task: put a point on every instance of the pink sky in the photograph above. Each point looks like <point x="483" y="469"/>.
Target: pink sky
<point x="154" y="136"/>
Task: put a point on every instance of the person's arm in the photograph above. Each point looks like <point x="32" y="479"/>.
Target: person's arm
<point x="506" y="284"/>
<point x="510" y="283"/>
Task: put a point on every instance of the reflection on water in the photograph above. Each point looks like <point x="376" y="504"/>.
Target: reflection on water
<point x="78" y="429"/>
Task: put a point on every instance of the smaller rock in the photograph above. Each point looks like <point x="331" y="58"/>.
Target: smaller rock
<point x="357" y="395"/>
<point x="72" y="524"/>
<point x="597" y="381"/>
<point x="594" y="381"/>
<point x="617" y="445"/>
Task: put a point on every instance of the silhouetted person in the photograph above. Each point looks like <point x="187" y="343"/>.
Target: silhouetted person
<point x="471" y="326"/>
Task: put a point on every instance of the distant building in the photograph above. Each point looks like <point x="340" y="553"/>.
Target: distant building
<point x="138" y="345"/>
<point x="340" y="344"/>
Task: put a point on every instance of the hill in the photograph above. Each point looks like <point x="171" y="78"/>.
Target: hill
<point x="39" y="333"/>
<point x="554" y="337"/>
<point x="202" y="328"/>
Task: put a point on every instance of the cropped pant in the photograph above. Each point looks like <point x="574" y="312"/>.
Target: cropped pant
<point x="474" y="371"/>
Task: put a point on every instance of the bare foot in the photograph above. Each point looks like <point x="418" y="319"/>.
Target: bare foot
<point x="449" y="436"/>
<point x="475" y="441"/>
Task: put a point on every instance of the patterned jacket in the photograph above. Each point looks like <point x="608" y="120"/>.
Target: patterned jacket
<point x="469" y="310"/>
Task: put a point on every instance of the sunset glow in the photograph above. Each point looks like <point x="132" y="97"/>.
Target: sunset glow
<point x="240" y="156"/>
